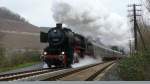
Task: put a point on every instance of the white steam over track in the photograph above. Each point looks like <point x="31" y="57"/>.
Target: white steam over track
<point x="89" y="19"/>
<point x="87" y="61"/>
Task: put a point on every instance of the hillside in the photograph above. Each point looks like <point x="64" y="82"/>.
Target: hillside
<point x="16" y="33"/>
<point x="7" y="14"/>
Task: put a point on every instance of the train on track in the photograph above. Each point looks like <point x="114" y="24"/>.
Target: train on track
<point x="66" y="47"/>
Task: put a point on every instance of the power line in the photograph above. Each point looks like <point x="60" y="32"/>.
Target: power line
<point x="135" y="29"/>
<point x="136" y="26"/>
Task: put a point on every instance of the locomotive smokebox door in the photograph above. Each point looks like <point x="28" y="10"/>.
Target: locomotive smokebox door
<point x="43" y="37"/>
<point x="59" y="25"/>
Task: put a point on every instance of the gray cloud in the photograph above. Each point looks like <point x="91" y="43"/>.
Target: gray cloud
<point x="37" y="12"/>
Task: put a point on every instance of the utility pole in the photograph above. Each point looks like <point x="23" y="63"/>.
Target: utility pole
<point x="135" y="29"/>
<point x="130" y="46"/>
<point x="135" y="24"/>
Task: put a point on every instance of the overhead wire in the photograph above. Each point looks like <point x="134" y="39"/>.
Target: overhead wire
<point x="141" y="24"/>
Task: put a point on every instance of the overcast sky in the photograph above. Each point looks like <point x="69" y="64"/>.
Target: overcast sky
<point x="38" y="12"/>
<point x="103" y="19"/>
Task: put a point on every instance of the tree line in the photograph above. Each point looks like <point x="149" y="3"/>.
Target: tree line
<point x="7" y="14"/>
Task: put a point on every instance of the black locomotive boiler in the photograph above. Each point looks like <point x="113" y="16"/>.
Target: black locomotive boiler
<point x="66" y="47"/>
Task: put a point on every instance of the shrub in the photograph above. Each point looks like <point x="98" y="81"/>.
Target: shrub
<point x="2" y="55"/>
<point x="32" y="55"/>
<point x="17" y="58"/>
<point x="136" y="67"/>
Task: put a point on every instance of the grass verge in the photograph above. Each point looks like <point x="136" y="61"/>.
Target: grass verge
<point x="18" y="66"/>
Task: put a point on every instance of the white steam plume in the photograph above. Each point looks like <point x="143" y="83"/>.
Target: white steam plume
<point x="91" y="18"/>
<point x="45" y="65"/>
<point x="86" y="61"/>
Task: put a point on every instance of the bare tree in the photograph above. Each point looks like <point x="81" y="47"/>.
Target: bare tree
<point x="148" y="5"/>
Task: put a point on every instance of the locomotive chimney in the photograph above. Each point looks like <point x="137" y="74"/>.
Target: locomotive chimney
<point x="59" y="25"/>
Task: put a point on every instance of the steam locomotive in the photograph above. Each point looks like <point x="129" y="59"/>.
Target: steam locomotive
<point x="66" y="47"/>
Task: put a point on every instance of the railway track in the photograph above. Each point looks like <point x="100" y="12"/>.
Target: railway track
<point x="84" y="73"/>
<point x="19" y="75"/>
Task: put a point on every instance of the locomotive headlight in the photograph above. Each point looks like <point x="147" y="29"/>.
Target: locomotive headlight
<point x="55" y="31"/>
<point x="62" y="53"/>
<point x="45" y="53"/>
